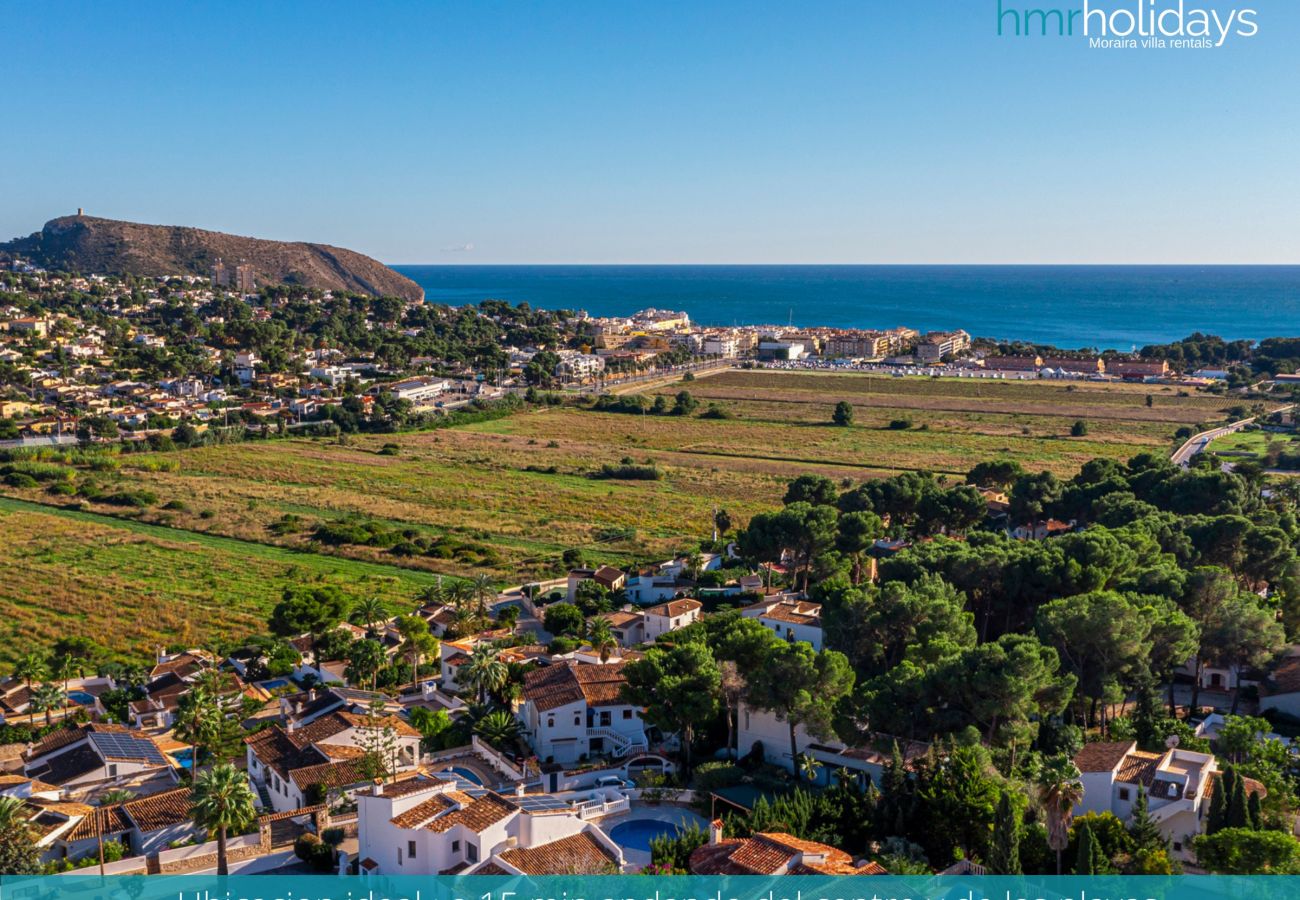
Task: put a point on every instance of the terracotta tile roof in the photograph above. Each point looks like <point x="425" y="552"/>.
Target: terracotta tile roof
<point x="160" y="810"/>
<point x="476" y="815"/>
<point x="326" y="726"/>
<point x="1138" y="768"/>
<point x="490" y="868"/>
<point x="413" y="785"/>
<point x="398" y="724"/>
<point x="341" y="751"/>
<point x="1286" y="677"/>
<point x="770" y="853"/>
<point x="339" y="774"/>
<point x="1252" y="786"/>
<point x="622" y="618"/>
<point x="579" y="854"/>
<point x="549" y="687"/>
<point x="798" y="612"/>
<point x="1103" y="756"/>
<point x="276" y="751"/>
<point x="105" y="820"/>
<point x="62" y="737"/>
<point x="674" y="608"/>
<point x="422" y="812"/>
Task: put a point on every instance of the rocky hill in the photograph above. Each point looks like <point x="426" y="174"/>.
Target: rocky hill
<point x="92" y="246"/>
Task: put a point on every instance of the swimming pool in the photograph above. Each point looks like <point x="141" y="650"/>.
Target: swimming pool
<point x="82" y="697"/>
<point x="466" y="774"/>
<point x="638" y="833"/>
<point x="184" y="758"/>
<point x="275" y="684"/>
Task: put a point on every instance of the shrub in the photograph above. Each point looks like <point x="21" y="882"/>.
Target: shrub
<point x="626" y="472"/>
<point x="900" y="424"/>
<point x="20" y="480"/>
<point x="1079" y="429"/>
<point x="710" y="776"/>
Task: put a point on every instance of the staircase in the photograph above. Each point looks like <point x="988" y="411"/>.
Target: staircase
<point x="617" y="743"/>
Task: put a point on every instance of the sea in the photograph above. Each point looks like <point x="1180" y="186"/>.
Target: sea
<point x="1071" y="307"/>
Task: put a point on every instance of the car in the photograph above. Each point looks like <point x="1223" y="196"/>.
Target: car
<point x="608" y="781"/>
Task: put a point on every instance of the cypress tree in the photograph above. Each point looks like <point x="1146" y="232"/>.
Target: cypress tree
<point x="1085" y="862"/>
<point x="1142" y="828"/>
<point x="1256" y="810"/>
<point x="1238" y="807"/>
<point x="1004" y="854"/>
<point x="1148" y="716"/>
<point x="1218" y="816"/>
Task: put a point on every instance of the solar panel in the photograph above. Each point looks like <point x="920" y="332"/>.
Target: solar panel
<point x="539" y="802"/>
<point x="126" y="746"/>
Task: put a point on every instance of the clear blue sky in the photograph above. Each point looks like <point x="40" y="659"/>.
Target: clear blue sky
<point x="657" y="131"/>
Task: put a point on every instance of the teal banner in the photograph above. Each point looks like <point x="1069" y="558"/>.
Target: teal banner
<point x="644" y="887"/>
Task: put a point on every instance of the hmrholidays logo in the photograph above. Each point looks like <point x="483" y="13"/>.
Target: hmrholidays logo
<point x="1149" y="24"/>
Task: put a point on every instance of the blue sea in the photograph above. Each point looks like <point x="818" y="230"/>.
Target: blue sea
<point x="1106" y="307"/>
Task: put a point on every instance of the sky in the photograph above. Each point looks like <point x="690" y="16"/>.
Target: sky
<point x="663" y="131"/>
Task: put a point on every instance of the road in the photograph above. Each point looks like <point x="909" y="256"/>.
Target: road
<point x="1198" y="442"/>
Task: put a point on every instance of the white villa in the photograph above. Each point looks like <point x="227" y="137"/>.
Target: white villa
<point x="571" y="710"/>
<point x="1179" y="785"/>
<point x="430" y="826"/>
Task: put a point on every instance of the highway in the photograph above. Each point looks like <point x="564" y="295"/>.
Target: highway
<point x="1198" y="442"/>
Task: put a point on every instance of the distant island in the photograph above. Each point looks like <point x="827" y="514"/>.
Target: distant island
<point x="94" y="246"/>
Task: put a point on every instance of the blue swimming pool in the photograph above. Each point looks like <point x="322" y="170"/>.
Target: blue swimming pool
<point x="274" y="684"/>
<point x="184" y="758"/>
<point x="466" y="774"/>
<point x="638" y="833"/>
<point x="81" y="697"/>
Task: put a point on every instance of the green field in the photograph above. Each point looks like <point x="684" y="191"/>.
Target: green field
<point x="131" y="587"/>
<point x="509" y="496"/>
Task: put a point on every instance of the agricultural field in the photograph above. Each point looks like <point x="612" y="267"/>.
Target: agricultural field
<point x="132" y="587"/>
<point x="221" y="530"/>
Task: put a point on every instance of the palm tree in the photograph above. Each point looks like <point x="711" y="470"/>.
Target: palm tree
<point x="484" y="589"/>
<point x="417" y="642"/>
<point x="47" y="698"/>
<point x="64" y="669"/>
<point x="30" y="668"/>
<point x="809" y="767"/>
<point x="114" y="797"/>
<point x="601" y="638"/>
<point x="369" y="611"/>
<point x="499" y="728"/>
<point x="17" y="839"/>
<point x="222" y="801"/>
<point x="733" y="688"/>
<point x="1059" y="792"/>
<point x="484" y="673"/>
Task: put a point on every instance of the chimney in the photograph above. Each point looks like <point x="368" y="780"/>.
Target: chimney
<point x="290" y="725"/>
<point x="715" y="831"/>
<point x="378" y="789"/>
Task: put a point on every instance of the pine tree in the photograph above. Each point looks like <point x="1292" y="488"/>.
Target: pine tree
<point x="1086" y="861"/>
<point x="1256" y="809"/>
<point x="895" y="795"/>
<point x="1148" y="715"/>
<point x="1218" y="816"/>
<point x="1142" y="828"/>
<point x="1238" y="807"/>
<point x="1004" y="854"/>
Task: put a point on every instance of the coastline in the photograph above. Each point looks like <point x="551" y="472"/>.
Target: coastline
<point x="1069" y="307"/>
